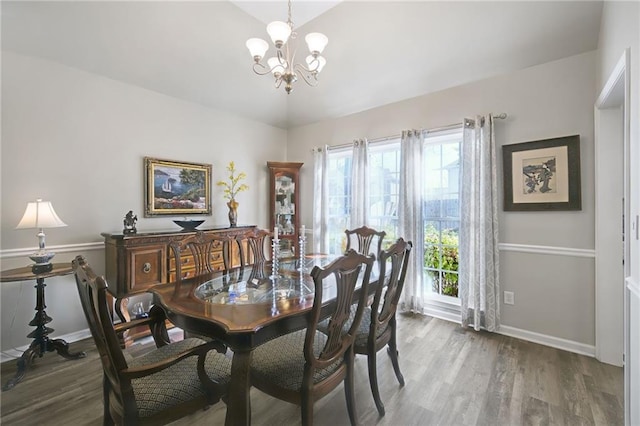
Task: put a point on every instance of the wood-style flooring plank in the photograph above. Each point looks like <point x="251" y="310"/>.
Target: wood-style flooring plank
<point x="453" y="376"/>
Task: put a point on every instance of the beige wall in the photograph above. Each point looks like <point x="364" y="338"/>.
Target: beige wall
<point x="554" y="294"/>
<point x="78" y="140"/>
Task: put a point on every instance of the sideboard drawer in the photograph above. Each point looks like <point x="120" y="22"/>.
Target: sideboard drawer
<point x="190" y="272"/>
<point x="147" y="267"/>
<point x="186" y="260"/>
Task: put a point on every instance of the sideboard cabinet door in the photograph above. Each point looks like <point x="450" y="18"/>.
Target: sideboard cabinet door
<point x="148" y="266"/>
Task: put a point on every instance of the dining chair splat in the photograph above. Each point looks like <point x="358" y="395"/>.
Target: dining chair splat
<point x="362" y="238"/>
<point x="205" y="250"/>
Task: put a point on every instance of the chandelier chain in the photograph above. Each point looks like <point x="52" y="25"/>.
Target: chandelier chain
<point x="290" y="22"/>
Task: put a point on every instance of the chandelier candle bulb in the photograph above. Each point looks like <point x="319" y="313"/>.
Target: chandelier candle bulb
<point x="275" y="233"/>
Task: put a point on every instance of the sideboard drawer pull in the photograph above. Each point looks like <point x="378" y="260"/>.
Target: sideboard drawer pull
<point x="146" y="268"/>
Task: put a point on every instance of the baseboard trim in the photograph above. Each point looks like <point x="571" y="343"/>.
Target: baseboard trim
<point x="15" y="353"/>
<point x="443" y="314"/>
<point x="552" y="341"/>
<point x="529" y="336"/>
<point x="65" y="248"/>
<point x="549" y="250"/>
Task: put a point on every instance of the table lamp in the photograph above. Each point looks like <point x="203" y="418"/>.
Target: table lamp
<point x="40" y="214"/>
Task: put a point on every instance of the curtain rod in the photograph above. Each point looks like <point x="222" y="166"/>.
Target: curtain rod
<point x="500" y="116"/>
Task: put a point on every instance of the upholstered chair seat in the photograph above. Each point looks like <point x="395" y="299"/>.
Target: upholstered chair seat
<point x="365" y="327"/>
<point x="280" y="362"/>
<point x="179" y="383"/>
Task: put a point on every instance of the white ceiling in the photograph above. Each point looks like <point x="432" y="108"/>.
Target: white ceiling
<point x="302" y="12"/>
<point x="378" y="52"/>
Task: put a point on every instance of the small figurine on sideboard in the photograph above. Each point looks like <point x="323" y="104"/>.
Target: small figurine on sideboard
<point x="130" y="220"/>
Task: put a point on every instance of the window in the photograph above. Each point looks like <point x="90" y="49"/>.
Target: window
<point x="441" y="203"/>
<point x="384" y="186"/>
<point x="384" y="183"/>
<point x="339" y="198"/>
<point x="441" y="212"/>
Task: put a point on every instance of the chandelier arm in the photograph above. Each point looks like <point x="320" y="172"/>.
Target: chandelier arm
<point x="260" y="69"/>
<point x="284" y="62"/>
<point x="309" y="77"/>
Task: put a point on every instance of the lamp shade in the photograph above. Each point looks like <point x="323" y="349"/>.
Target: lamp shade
<point x="316" y="42"/>
<point x="316" y="64"/>
<point x="40" y="214"/>
<point x="279" y="32"/>
<point x="257" y="47"/>
<point x="275" y="65"/>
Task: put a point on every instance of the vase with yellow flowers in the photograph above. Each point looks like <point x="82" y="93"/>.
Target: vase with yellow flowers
<point x="232" y="187"/>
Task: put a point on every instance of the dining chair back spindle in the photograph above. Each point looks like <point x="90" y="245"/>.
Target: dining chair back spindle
<point x="169" y="382"/>
<point x="303" y="366"/>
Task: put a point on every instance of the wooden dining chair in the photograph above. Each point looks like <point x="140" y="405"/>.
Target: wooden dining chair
<point x="171" y="381"/>
<point x="304" y="366"/>
<point x="361" y="239"/>
<point x="378" y="326"/>
<point x="200" y="254"/>
<point x="252" y="249"/>
<point x="255" y="243"/>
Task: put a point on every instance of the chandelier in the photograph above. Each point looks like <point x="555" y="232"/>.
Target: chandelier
<point x="282" y="66"/>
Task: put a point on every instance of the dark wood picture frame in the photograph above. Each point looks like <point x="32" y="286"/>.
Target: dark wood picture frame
<point x="176" y="188"/>
<point x="542" y="175"/>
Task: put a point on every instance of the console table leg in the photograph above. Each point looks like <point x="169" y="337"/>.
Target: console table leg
<point x="24" y="362"/>
<point x="62" y="347"/>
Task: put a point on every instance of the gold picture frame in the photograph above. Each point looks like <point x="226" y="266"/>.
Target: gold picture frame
<point x="176" y="188"/>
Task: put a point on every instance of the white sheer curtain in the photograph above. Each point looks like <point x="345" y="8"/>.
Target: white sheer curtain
<point x="479" y="283"/>
<point x="320" y="197"/>
<point x="410" y="214"/>
<point x="360" y="184"/>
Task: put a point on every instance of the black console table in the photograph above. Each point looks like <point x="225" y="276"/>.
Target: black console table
<point x="41" y="343"/>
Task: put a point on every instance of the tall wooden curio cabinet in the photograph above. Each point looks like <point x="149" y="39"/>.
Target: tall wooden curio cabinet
<point x="285" y="204"/>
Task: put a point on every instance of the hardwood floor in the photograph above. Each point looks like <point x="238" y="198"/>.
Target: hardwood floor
<point x="453" y="377"/>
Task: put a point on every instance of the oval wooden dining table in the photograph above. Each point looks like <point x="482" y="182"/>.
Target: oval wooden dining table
<point x="244" y="309"/>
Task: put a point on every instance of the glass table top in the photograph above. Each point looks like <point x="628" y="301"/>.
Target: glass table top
<point x="255" y="284"/>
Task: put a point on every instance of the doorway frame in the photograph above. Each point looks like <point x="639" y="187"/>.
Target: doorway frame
<point x="612" y="122"/>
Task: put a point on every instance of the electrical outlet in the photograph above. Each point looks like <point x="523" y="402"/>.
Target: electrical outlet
<point x="509" y="298"/>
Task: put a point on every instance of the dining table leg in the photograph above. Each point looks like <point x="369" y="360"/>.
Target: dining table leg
<point x="238" y="402"/>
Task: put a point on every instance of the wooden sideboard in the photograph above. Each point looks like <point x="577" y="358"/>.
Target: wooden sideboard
<point x="136" y="262"/>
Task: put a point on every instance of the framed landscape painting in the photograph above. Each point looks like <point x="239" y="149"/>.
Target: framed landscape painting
<point x="176" y="188"/>
<point x="542" y="175"/>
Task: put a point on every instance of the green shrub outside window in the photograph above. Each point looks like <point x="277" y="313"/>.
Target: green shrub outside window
<point x="441" y="260"/>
